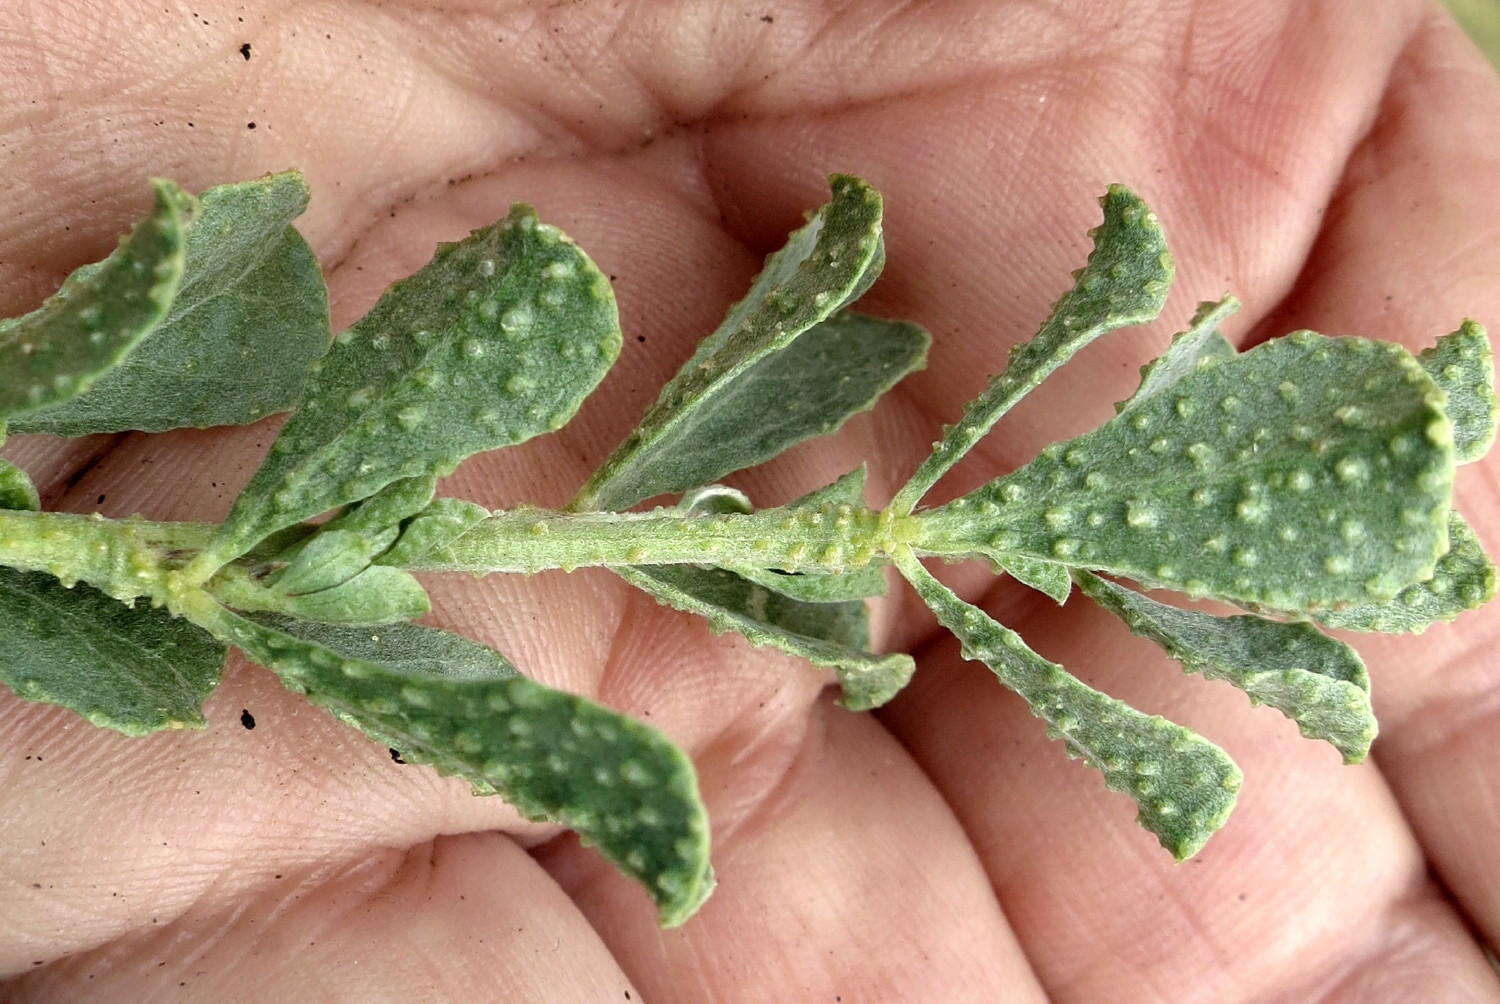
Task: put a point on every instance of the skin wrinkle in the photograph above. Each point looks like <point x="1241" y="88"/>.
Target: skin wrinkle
<point x="1273" y="321"/>
<point x="1463" y="714"/>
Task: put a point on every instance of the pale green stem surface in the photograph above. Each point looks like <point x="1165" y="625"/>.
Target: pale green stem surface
<point x="134" y="557"/>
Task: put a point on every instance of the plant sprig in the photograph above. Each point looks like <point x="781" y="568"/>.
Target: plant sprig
<point x="1308" y="481"/>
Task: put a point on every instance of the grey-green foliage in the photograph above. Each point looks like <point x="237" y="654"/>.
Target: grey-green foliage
<point x="376" y="595"/>
<point x="1317" y="681"/>
<point x="462" y="708"/>
<point x="60" y="349"/>
<point x="1201" y="345"/>
<point x="133" y="669"/>
<point x="250" y="314"/>
<point x="332" y="557"/>
<point x="381" y="514"/>
<point x="760" y="605"/>
<point x="497" y="339"/>
<point x="16" y="489"/>
<point x="760" y="383"/>
<point x="1309" y="475"/>
<point x="1047" y="577"/>
<point x="727" y="407"/>
<point x="826" y="634"/>
<point x="431" y="531"/>
<point x="834" y="501"/>
<point x="1464" y="367"/>
<point x="331" y="579"/>
<point x="1307" y="472"/>
<point x="1183" y="786"/>
<point x="1124" y="282"/>
<point x="1464" y="580"/>
<point x="808" y="388"/>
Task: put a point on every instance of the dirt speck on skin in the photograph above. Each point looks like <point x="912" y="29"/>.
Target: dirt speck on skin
<point x="245" y="51"/>
<point x="396" y="755"/>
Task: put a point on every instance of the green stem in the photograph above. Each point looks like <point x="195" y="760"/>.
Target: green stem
<point x="133" y="557"/>
<point x="827" y="539"/>
<point x="126" y="558"/>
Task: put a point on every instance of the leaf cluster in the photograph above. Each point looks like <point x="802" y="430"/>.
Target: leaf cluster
<point x="1307" y="481"/>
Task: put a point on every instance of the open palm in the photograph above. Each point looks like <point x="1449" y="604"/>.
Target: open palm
<point x="1333" y="164"/>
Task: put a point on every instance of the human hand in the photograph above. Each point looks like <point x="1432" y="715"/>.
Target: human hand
<point x="1328" y="164"/>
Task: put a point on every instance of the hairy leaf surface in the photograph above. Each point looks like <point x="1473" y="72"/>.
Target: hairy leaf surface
<point x="1199" y="346"/>
<point x="1124" y="282"/>
<point x="1044" y="576"/>
<point x="1464" y="367"/>
<point x="132" y="669"/>
<point x="1307" y="472"/>
<point x="1464" y="580"/>
<point x="499" y="338"/>
<point x="431" y="531"/>
<point x="330" y="579"/>
<point x="1317" y="681"/>
<point x="397" y="501"/>
<point x="329" y="558"/>
<point x="250" y="314"/>
<point x="16" y="489"/>
<point x="1183" y="785"/>
<point x="753" y="387"/>
<point x="99" y="315"/>
<point x="446" y="701"/>
<point x="826" y="634"/>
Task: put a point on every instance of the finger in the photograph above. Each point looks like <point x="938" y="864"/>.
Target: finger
<point x="1402" y="258"/>
<point x="460" y="918"/>
<point x="108" y="833"/>
<point x="1098" y="905"/>
<point x="842" y="875"/>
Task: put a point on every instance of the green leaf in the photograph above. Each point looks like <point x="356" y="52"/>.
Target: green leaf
<point x="845" y="586"/>
<point x="833" y="502"/>
<point x="433" y="529"/>
<point x="1124" y="282"/>
<point x="1199" y="346"/>
<point x="1183" y="785"/>
<point x="1044" y="576"/>
<point x="1464" y="580"/>
<point x="250" y="314"/>
<point x="496" y="340"/>
<point x="1307" y="472"/>
<point x="817" y="617"/>
<point x="58" y="350"/>
<point x="1317" y="681"/>
<point x="328" y="559"/>
<point x="329" y="579"/>
<point x="134" y="670"/>
<point x="1461" y="363"/>
<point x="446" y="701"/>
<point x="16" y="489"/>
<point x="826" y="634"/>
<point x="753" y="387"/>
<point x="396" y="502"/>
<point x="375" y="595"/>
